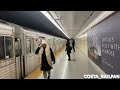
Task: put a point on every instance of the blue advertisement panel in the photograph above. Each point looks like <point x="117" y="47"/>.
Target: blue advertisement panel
<point x="104" y="44"/>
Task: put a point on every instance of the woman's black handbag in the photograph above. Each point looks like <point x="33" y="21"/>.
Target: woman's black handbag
<point x="37" y="50"/>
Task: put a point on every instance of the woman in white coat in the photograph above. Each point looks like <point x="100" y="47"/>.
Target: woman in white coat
<point x="47" y="57"/>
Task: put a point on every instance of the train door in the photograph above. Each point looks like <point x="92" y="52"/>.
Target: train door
<point x="19" y="61"/>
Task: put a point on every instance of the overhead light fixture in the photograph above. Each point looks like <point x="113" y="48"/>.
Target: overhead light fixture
<point x="83" y="36"/>
<point x="97" y="20"/>
<point x="53" y="21"/>
<point x="57" y="19"/>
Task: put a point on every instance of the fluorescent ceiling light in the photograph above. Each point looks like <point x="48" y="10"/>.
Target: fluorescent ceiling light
<point x="83" y="36"/>
<point x="53" y="21"/>
<point x="97" y="20"/>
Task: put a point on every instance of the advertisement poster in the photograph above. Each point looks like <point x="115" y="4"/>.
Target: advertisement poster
<point x="94" y="46"/>
<point x="104" y="44"/>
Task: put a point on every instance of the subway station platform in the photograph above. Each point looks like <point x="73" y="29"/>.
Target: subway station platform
<point x="79" y="66"/>
<point x="95" y="35"/>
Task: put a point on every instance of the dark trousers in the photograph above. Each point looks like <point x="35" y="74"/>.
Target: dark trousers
<point x="68" y="55"/>
<point x="74" y="48"/>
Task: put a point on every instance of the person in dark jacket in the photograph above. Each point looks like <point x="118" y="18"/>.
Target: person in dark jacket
<point x="68" y="42"/>
<point x="73" y="44"/>
<point x="47" y="59"/>
<point x="68" y="49"/>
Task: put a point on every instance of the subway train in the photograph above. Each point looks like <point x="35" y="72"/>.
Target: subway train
<point x="17" y="49"/>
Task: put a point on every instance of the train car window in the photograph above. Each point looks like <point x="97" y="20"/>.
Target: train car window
<point x="40" y="41"/>
<point x="1" y="47"/>
<point x="32" y="45"/>
<point x="18" y="48"/>
<point x="9" y="47"/>
<point x="28" y="45"/>
<point x="48" y="42"/>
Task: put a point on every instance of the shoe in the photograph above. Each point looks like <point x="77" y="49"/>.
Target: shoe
<point x="48" y="77"/>
<point x="69" y="59"/>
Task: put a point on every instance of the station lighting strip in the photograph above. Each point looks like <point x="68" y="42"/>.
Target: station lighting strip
<point x="97" y="20"/>
<point x="83" y="36"/>
<point x="53" y="21"/>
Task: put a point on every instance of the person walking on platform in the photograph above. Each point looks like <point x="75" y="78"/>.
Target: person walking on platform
<point x="73" y="44"/>
<point x="47" y="57"/>
<point x="68" y="49"/>
<point x="68" y="42"/>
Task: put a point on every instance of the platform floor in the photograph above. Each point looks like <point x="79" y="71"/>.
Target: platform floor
<point x="64" y="69"/>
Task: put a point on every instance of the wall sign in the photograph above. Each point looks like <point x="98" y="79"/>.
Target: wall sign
<point x="104" y="44"/>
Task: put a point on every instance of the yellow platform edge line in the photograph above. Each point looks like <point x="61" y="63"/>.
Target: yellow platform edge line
<point x="37" y="72"/>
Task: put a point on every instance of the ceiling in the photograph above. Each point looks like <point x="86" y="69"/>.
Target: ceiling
<point x="32" y="19"/>
<point x="73" y="21"/>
